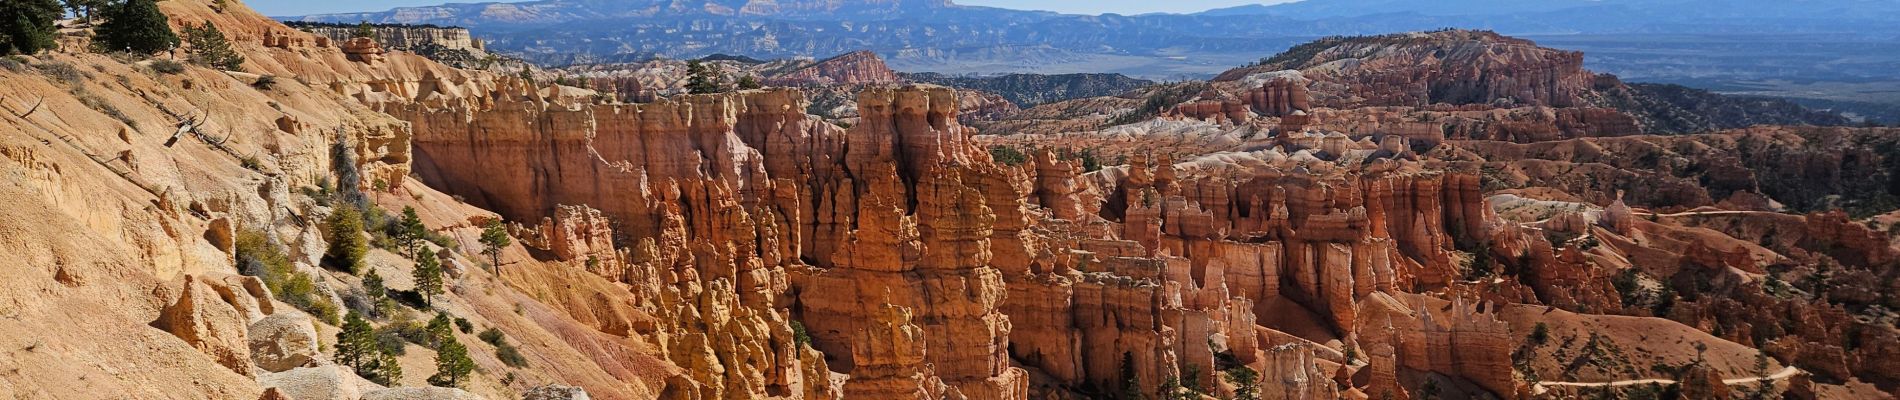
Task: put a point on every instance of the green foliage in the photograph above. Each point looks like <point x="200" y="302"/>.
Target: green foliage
<point x="1131" y="381"/>
<point x="373" y="285"/>
<point x="356" y="344"/>
<point x="384" y="369"/>
<point x="510" y="355"/>
<point x="135" y="26"/>
<point x="440" y="329"/>
<point x="492" y="336"/>
<point x="1090" y="163"/>
<point x="210" y="48"/>
<point x="1428" y="391"/>
<point x="168" y="67"/>
<point x="1162" y="99"/>
<point x="84" y="8"/>
<point x="28" y="26"/>
<point x="494" y="238"/>
<point x="409" y="232"/>
<point x="1007" y="155"/>
<point x="347" y="245"/>
<point x="1481" y="265"/>
<point x="363" y="30"/>
<point x="428" y="274"/>
<point x="1191" y="378"/>
<point x="462" y="324"/>
<point x="703" y="78"/>
<point x="452" y="365"/>
<point x="799" y="335"/>
<point x="748" y="83"/>
<point x="1540" y="334"/>
<point x="1246" y="382"/>
<point x="257" y="256"/>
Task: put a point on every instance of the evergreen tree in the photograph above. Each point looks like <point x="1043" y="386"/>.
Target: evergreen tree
<point x="1246" y="383"/>
<point x="494" y="238"/>
<point x="363" y="30"/>
<point x="702" y="78"/>
<point x="428" y="274"/>
<point x="347" y="245"/>
<point x="748" y="82"/>
<point x="210" y="48"/>
<point x="384" y="369"/>
<point x="452" y="365"/>
<point x="136" y="26"/>
<point x="1131" y="381"/>
<point x="410" y="231"/>
<point x="84" y="8"/>
<point x="441" y="329"/>
<point x="356" y="343"/>
<point x="28" y="26"/>
<point x="373" y="285"/>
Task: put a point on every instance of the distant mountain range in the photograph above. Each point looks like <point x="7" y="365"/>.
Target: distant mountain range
<point x="940" y="36"/>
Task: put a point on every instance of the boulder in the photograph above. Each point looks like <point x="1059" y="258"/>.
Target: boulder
<point x="555" y="392"/>
<point x="322" y="382"/>
<point x="283" y="341"/>
<point x="420" y="393"/>
<point x="208" y="323"/>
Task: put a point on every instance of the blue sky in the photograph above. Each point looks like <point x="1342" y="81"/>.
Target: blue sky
<point x="300" y="7"/>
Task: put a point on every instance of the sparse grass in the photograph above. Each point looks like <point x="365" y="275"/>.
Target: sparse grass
<point x="168" y="67"/>
<point x="63" y="72"/>
<point x="99" y="104"/>
<point x="12" y="65"/>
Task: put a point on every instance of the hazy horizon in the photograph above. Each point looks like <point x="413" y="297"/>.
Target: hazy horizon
<point x="280" y="8"/>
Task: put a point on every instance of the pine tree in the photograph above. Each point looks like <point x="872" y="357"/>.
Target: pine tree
<point x="347" y="245"/>
<point x="363" y="30"/>
<point x="135" y="26"/>
<point x="452" y="365"/>
<point x="748" y="83"/>
<point x="27" y="26"/>
<point x="428" y="274"/>
<point x="356" y="343"/>
<point x="384" y="369"/>
<point x="209" y="47"/>
<point x="1131" y="381"/>
<point x="702" y="78"/>
<point x="441" y="329"/>
<point x="410" y="232"/>
<point x="494" y="238"/>
<point x="373" y="285"/>
<point x="84" y="8"/>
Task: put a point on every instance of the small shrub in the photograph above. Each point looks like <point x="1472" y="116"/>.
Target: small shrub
<point x="462" y="324"/>
<point x="1540" y="334"/>
<point x="390" y="341"/>
<point x="493" y="336"/>
<point x="12" y="65"/>
<point x="800" y="335"/>
<point x="510" y="355"/>
<point x="63" y="72"/>
<point x="257" y="256"/>
<point x="266" y="82"/>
